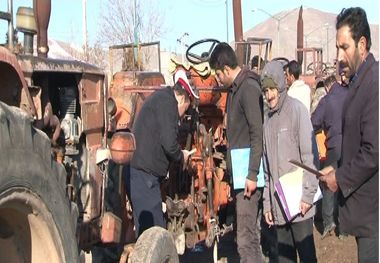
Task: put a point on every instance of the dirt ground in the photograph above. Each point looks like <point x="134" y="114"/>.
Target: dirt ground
<point x="329" y="250"/>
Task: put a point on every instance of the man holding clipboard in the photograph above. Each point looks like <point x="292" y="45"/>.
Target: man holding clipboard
<point x="288" y="134"/>
<point x="244" y="135"/>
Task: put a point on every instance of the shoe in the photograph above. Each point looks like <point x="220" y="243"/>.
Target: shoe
<point x="327" y="231"/>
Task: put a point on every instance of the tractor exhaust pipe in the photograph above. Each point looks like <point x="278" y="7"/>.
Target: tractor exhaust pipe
<point x="238" y="30"/>
<point x="42" y="10"/>
<point x="300" y="36"/>
<point x="10" y="26"/>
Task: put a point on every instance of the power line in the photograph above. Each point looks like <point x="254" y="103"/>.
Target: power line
<point x="208" y="3"/>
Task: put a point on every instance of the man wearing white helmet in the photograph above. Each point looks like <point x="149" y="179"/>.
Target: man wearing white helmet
<point x="156" y="132"/>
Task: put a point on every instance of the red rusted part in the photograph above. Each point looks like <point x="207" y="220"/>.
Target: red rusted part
<point x="300" y="36"/>
<point x="42" y="10"/>
<point x="111" y="228"/>
<point x="238" y="30"/>
<point x="221" y="190"/>
<point x="9" y="60"/>
<point x="122" y="147"/>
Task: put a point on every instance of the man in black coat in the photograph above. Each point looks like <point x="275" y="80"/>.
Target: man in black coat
<point x="156" y="132"/>
<point x="357" y="178"/>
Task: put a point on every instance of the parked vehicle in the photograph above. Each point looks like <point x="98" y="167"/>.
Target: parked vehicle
<point x="53" y="200"/>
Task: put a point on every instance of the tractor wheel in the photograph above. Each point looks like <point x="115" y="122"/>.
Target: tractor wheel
<point x="37" y="223"/>
<point x="155" y="245"/>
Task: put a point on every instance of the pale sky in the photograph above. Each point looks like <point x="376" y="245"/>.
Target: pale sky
<point x="198" y="18"/>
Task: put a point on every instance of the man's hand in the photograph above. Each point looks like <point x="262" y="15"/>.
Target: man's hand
<point x="304" y="207"/>
<point x="329" y="178"/>
<point x="269" y="218"/>
<point x="250" y="188"/>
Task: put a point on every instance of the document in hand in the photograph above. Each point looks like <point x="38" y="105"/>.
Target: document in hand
<point x="289" y="190"/>
<point x="240" y="165"/>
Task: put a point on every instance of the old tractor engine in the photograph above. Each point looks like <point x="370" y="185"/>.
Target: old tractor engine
<point x="194" y="197"/>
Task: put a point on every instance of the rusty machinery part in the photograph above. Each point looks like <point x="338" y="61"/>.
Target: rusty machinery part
<point x="42" y="10"/>
<point x="111" y="228"/>
<point x="32" y="196"/>
<point x="195" y="58"/>
<point x="177" y="209"/>
<point x="122" y="146"/>
<point x="15" y="90"/>
<point x="48" y="121"/>
<point x="111" y="106"/>
<point x="156" y="244"/>
<point x="316" y="66"/>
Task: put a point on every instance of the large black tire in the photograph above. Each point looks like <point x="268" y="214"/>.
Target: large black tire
<point x="36" y="219"/>
<point x="155" y="245"/>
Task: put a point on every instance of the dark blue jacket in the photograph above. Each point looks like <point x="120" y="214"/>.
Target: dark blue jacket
<point x="328" y="115"/>
<point x="156" y="133"/>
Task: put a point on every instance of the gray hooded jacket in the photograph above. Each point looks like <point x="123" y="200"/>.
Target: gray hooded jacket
<point x="288" y="134"/>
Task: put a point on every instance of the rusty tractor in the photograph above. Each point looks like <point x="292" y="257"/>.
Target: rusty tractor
<point x="54" y="195"/>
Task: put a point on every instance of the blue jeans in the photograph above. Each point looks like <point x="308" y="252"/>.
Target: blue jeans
<point x="146" y="200"/>
<point x="329" y="200"/>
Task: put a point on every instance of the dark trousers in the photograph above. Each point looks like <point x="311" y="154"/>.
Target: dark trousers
<point x="329" y="200"/>
<point x="329" y="207"/>
<point x="146" y="201"/>
<point x="248" y="233"/>
<point x="296" y="237"/>
<point x="368" y="249"/>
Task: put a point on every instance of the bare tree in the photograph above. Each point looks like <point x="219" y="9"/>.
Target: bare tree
<point x="116" y="23"/>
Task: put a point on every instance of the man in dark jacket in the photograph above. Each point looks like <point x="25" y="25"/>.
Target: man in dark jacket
<point x="156" y="132"/>
<point x="244" y="131"/>
<point x="328" y="118"/>
<point x="357" y="178"/>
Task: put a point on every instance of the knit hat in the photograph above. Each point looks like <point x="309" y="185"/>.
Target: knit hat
<point x="180" y="76"/>
<point x="273" y="76"/>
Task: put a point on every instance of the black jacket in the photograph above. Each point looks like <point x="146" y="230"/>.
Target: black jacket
<point x="358" y="175"/>
<point x="156" y="132"/>
<point x="245" y="118"/>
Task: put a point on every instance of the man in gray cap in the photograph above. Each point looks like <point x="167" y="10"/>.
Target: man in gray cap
<point x="288" y="134"/>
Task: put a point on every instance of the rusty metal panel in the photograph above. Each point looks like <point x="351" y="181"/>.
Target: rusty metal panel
<point x="13" y="80"/>
<point x="91" y="91"/>
<point x="93" y="210"/>
<point x="33" y="64"/>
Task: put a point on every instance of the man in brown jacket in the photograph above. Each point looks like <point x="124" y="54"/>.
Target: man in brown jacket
<point x="357" y="178"/>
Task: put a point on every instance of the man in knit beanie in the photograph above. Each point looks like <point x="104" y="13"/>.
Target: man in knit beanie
<point x="288" y="134"/>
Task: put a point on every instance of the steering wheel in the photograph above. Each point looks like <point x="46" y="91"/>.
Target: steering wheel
<point x="205" y="56"/>
<point x="310" y="67"/>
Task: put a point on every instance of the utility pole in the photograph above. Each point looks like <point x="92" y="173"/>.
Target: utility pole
<point x="84" y="28"/>
<point x="135" y="39"/>
<point x="327" y="42"/>
<point x="227" y="19"/>
<point x="181" y="41"/>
